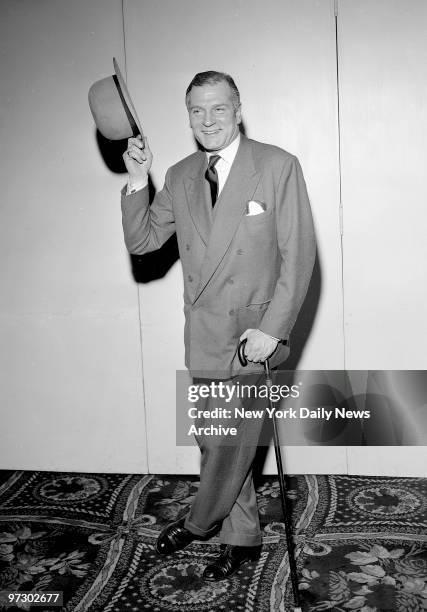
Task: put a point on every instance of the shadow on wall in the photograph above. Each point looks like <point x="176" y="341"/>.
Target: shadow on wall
<point x="111" y="152"/>
<point x="152" y="266"/>
<point x="155" y="265"/>
<point x="299" y="336"/>
<point x="305" y="320"/>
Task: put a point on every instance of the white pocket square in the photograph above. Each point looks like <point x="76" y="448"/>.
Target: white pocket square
<point x="254" y="208"/>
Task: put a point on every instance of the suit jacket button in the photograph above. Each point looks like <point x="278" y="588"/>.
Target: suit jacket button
<point x="190" y="278"/>
<point x="187" y="247"/>
<point x="239" y="251"/>
<point x="231" y="312"/>
<point x="231" y="280"/>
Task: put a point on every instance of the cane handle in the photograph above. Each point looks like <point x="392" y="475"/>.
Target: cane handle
<point x="241" y="353"/>
<point x="243" y="360"/>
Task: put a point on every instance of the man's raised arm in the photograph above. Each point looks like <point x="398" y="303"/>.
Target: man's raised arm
<point x="145" y="228"/>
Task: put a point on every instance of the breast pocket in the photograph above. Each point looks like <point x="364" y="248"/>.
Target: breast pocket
<point x="263" y="223"/>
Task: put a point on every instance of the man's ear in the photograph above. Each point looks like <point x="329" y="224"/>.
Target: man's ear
<point x="239" y="114"/>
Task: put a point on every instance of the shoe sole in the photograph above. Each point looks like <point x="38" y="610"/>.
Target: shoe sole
<point x="233" y="572"/>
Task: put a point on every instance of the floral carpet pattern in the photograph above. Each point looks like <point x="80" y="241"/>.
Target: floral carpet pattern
<point x="361" y="545"/>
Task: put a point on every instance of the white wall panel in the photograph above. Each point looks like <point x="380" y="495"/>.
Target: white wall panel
<point x="71" y="383"/>
<point x="388" y="461"/>
<point x="383" y="56"/>
<point x="282" y="55"/>
<point x="383" y="59"/>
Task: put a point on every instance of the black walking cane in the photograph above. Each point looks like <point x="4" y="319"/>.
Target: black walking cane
<point x="285" y="504"/>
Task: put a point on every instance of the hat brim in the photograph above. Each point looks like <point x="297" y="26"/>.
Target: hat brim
<point x="126" y="95"/>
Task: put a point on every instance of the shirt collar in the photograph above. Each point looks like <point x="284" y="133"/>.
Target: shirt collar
<point x="229" y="153"/>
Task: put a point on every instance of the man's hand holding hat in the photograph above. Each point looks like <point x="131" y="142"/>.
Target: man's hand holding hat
<point x="138" y="159"/>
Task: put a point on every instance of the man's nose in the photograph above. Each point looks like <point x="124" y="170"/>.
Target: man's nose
<point x="208" y="119"/>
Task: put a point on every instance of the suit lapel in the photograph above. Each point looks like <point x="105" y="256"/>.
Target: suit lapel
<point x="231" y="206"/>
<point x="196" y="191"/>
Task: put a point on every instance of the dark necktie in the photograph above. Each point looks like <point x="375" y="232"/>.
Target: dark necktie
<point x="211" y="176"/>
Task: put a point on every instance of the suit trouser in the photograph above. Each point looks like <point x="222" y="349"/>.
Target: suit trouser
<point x="226" y="495"/>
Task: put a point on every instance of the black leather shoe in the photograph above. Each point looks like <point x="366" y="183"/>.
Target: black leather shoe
<point x="174" y="537"/>
<point x="229" y="561"/>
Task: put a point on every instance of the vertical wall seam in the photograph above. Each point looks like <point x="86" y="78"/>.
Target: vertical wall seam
<point x="124" y="39"/>
<point x="144" y="403"/>
<point x="340" y="211"/>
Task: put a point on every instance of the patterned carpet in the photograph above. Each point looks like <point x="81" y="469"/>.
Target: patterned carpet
<point x="361" y="544"/>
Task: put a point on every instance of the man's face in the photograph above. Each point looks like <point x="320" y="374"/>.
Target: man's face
<point x="213" y="116"/>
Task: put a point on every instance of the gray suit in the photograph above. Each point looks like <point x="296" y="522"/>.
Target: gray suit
<point x="240" y="272"/>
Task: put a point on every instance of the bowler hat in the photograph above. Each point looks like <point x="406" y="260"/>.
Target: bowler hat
<point x="111" y="105"/>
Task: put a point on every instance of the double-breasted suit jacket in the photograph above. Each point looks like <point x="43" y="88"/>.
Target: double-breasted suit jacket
<point x="240" y="270"/>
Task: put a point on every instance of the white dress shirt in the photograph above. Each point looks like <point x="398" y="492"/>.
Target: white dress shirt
<point x="223" y="165"/>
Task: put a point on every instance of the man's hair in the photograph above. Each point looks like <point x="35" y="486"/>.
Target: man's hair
<point x="211" y="77"/>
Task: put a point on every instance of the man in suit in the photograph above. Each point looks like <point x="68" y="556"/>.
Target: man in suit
<point x="242" y="218"/>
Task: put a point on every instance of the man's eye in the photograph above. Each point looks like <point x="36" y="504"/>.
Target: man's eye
<point x="220" y="109"/>
<point x="196" y="111"/>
